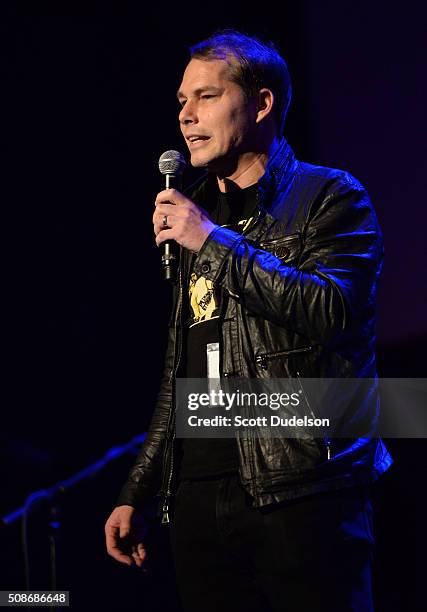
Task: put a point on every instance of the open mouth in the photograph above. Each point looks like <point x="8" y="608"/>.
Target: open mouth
<point x="197" y="140"/>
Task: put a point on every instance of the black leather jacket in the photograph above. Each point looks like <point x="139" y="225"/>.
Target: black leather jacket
<point x="302" y="282"/>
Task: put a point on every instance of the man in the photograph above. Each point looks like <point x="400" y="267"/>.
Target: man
<point x="279" y="264"/>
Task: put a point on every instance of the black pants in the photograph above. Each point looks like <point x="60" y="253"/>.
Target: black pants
<point x="309" y="555"/>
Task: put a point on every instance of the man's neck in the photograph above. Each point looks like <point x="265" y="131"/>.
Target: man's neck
<point x="250" y="168"/>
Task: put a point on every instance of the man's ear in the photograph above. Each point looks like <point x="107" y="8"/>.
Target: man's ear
<point x="265" y="103"/>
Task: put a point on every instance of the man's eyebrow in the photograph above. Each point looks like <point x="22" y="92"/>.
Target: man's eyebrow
<point x="200" y="90"/>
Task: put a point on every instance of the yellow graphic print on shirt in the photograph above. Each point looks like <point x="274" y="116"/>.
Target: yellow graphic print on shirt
<point x="204" y="300"/>
<point x="204" y="296"/>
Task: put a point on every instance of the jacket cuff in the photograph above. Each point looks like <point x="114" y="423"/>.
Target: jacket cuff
<point x="214" y="252"/>
<point x="133" y="495"/>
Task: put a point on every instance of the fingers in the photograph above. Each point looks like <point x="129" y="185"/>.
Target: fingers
<point x="172" y="196"/>
<point x="187" y="224"/>
<point x="174" y="214"/>
<point x="124" y="531"/>
<point x="166" y="234"/>
<point x="116" y="553"/>
<point x="158" y="218"/>
<point x="166" y="204"/>
<point x="167" y="209"/>
<point x="113" y="548"/>
<point x="116" y="548"/>
<point x="139" y="554"/>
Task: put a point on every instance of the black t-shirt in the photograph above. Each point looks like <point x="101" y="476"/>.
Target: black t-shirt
<point x="211" y="456"/>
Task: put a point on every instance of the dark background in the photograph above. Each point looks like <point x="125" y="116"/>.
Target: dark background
<point x="95" y="108"/>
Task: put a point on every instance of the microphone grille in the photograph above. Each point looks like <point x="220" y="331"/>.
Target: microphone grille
<point x="172" y="162"/>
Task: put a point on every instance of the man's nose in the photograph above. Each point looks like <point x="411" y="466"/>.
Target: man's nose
<point x="187" y="114"/>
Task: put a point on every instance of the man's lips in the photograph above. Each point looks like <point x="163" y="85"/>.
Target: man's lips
<point x="197" y="143"/>
<point x="195" y="140"/>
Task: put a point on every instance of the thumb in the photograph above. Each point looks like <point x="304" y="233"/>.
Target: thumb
<point x="124" y="529"/>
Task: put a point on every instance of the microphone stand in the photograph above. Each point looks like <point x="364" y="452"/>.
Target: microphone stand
<point x="51" y="495"/>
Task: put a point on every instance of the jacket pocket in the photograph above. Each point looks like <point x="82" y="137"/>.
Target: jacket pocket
<point x="263" y="359"/>
<point x="323" y="442"/>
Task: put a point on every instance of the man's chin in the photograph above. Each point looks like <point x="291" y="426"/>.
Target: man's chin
<point x="199" y="161"/>
<point x="208" y="163"/>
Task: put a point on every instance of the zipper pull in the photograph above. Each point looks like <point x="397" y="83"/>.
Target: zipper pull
<point x="165" y="512"/>
<point x="261" y="360"/>
<point x="328" y="448"/>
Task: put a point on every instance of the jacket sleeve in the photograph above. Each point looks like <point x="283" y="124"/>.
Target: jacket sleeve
<point x="334" y="279"/>
<point x="144" y="478"/>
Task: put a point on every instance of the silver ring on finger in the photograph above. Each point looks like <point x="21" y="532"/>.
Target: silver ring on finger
<point x="165" y="221"/>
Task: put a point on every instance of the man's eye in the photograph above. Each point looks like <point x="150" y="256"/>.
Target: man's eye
<point x="207" y="96"/>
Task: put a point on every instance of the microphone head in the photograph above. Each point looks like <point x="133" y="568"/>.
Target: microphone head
<point x="172" y="162"/>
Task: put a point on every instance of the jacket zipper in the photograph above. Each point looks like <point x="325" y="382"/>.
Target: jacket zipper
<point x="326" y="440"/>
<point x="273" y="242"/>
<point x="169" y="466"/>
<point x="167" y="490"/>
<point x="261" y="360"/>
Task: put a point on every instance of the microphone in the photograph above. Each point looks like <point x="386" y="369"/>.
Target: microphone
<point x="171" y="165"/>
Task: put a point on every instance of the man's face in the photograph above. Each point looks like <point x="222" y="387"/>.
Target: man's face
<point x="215" y="110"/>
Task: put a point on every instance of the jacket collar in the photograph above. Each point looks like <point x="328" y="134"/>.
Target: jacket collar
<point x="279" y="171"/>
<point x="280" y="168"/>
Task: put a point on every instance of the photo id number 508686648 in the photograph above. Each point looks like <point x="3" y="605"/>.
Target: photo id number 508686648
<point x="34" y="598"/>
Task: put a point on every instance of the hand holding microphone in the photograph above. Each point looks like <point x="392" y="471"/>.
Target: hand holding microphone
<point x="176" y="217"/>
